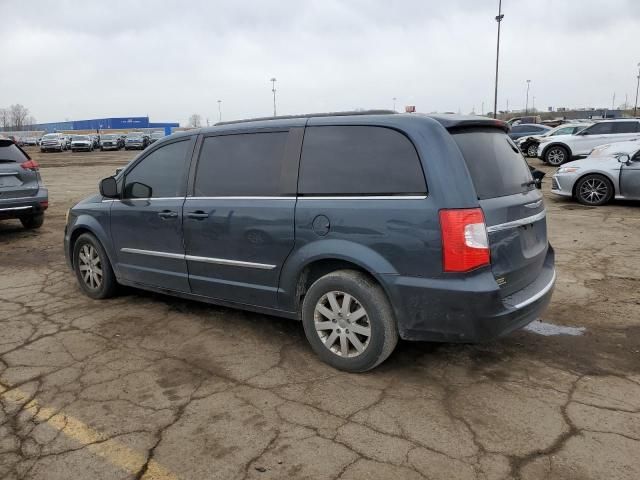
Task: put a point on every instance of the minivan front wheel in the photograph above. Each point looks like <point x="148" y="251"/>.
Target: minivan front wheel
<point x="348" y="321"/>
<point x="92" y="268"/>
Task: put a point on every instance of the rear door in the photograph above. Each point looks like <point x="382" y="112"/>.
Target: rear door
<point x="15" y="181"/>
<point x="513" y="208"/>
<point x="239" y="217"/>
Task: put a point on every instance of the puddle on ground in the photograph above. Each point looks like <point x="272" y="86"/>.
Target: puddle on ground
<point x="549" y="329"/>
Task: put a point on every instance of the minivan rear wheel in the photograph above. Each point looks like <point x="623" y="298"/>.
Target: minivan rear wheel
<point x="92" y="268"/>
<point x="348" y="321"/>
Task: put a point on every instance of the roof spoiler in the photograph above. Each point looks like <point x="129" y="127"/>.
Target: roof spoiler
<point x="459" y="122"/>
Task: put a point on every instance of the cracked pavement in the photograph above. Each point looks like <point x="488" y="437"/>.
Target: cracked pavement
<point x="145" y="386"/>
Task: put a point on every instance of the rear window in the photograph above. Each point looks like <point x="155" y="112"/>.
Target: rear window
<point x="496" y="166"/>
<point x="9" y="152"/>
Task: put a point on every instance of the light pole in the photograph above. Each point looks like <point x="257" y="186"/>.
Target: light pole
<point x="394" y="103"/>
<point x="273" y="89"/>
<point x="635" y="107"/>
<point x="219" y="110"/>
<point x="495" y="95"/>
<point x="526" y="106"/>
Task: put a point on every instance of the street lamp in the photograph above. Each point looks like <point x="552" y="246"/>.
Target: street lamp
<point x="526" y="107"/>
<point x="273" y="89"/>
<point x="495" y="95"/>
<point x="635" y="108"/>
<point x="219" y="110"/>
<point x="394" y="103"/>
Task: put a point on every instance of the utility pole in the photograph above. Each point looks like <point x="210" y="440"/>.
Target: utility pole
<point x="533" y="107"/>
<point x="219" y="110"/>
<point x="273" y="89"/>
<point x="394" y="103"/>
<point x="495" y="94"/>
<point x="635" y="108"/>
<point x="482" y="109"/>
<point x="526" y="106"/>
<point x="613" y="101"/>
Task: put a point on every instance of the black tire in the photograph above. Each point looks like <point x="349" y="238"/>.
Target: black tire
<point x="378" y="319"/>
<point x="32" y="221"/>
<point x="88" y="284"/>
<point x="594" y="190"/>
<point x="556" y="155"/>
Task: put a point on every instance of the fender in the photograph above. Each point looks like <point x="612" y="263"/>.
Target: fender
<point x="322" y="249"/>
<point x="615" y="181"/>
<point x="97" y="226"/>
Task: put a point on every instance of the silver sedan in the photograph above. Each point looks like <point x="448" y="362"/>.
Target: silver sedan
<point x="610" y="171"/>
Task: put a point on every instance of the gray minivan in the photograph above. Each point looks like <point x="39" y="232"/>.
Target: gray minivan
<point x="367" y="227"/>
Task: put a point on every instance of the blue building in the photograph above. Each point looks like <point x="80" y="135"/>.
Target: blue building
<point x="114" y="123"/>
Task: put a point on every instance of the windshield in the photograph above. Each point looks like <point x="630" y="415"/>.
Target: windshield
<point x="157" y="134"/>
<point x="50" y="135"/>
<point x="108" y="137"/>
<point x="496" y="165"/>
<point x="80" y="137"/>
<point x="134" y="135"/>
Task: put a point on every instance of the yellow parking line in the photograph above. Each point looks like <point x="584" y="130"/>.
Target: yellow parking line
<point x="114" y="451"/>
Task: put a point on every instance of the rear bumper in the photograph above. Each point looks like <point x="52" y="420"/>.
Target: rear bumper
<point x="469" y="309"/>
<point x="19" y="207"/>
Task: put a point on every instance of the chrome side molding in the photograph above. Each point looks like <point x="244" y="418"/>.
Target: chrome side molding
<point x="195" y="258"/>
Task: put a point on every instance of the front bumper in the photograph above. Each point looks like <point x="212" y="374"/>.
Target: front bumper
<point x="21" y="206"/>
<point x="563" y="183"/>
<point x="467" y="308"/>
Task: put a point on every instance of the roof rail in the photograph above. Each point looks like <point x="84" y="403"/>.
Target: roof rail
<point x="310" y="115"/>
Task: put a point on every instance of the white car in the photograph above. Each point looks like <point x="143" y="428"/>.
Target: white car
<point x="611" y="171"/>
<point x="562" y="148"/>
<point x="528" y="145"/>
<point x="52" y="142"/>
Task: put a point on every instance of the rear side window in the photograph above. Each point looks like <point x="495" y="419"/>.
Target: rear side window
<point x="599" y="128"/>
<point x="9" y="152"/>
<point x="625" y="127"/>
<point x="359" y="160"/>
<point x="496" y="166"/>
<point x="241" y="165"/>
<point x="162" y="170"/>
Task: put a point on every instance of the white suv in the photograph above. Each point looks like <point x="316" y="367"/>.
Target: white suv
<point x="559" y="149"/>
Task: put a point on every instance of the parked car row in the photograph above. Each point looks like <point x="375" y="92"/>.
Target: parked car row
<point x="59" y="142"/>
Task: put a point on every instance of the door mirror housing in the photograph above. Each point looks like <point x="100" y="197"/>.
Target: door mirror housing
<point x="109" y="187"/>
<point x="118" y="170"/>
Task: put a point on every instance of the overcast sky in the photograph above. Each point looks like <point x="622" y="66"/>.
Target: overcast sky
<point x="169" y="59"/>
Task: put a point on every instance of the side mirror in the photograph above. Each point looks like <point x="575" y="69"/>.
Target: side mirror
<point x="109" y="187"/>
<point x="624" y="158"/>
<point x="118" y="170"/>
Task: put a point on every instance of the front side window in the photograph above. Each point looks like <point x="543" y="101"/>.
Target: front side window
<point x="162" y="171"/>
<point x="563" y="131"/>
<point x="248" y="164"/>
<point x="359" y="160"/>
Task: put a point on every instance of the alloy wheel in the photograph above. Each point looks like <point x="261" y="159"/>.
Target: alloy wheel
<point x="556" y="156"/>
<point x="532" y="150"/>
<point x="342" y="324"/>
<point x="593" y="190"/>
<point x="90" y="266"/>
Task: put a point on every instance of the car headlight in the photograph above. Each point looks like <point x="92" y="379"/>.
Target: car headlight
<point x="567" y="169"/>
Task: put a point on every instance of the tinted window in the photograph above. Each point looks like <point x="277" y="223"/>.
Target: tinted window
<point x="496" y="166"/>
<point x="599" y="128"/>
<point x="625" y="127"/>
<point x="162" y="170"/>
<point x="519" y="129"/>
<point x="355" y="160"/>
<point x="241" y="165"/>
<point x="9" y="152"/>
<point x="564" y="131"/>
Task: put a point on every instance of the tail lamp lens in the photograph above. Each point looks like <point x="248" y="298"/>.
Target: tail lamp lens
<point x="465" y="245"/>
<point x="30" y="165"/>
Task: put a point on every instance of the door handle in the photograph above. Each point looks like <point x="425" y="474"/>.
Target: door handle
<point x="198" y="215"/>
<point x="167" y="214"/>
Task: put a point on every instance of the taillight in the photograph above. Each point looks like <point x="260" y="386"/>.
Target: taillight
<point x="465" y="245"/>
<point x="30" y="165"/>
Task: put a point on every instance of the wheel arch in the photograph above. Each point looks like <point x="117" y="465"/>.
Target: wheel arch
<point x="88" y="224"/>
<point x="557" y="144"/>
<point x="312" y="262"/>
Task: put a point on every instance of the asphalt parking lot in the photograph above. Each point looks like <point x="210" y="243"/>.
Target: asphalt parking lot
<point x="153" y="387"/>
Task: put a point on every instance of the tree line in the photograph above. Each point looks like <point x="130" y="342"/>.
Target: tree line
<point x="15" y="118"/>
